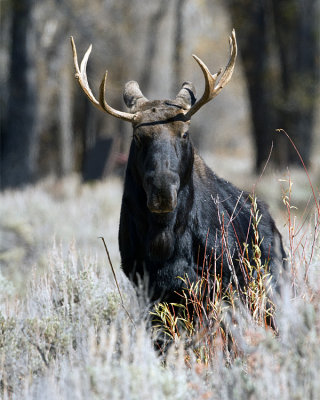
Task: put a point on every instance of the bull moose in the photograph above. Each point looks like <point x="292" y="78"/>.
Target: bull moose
<point x="174" y="207"/>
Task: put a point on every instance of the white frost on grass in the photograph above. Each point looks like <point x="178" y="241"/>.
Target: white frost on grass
<point x="66" y="335"/>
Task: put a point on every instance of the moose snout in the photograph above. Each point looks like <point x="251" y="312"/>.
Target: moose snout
<point x="162" y="201"/>
<point x="162" y="193"/>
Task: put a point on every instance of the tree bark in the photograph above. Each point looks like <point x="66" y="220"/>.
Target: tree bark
<point x="18" y="139"/>
<point x="177" y="60"/>
<point x="65" y="120"/>
<point x="297" y="31"/>
<point x="278" y="42"/>
<point x="151" y="45"/>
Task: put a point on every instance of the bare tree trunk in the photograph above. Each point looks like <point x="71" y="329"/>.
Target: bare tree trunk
<point x="297" y="29"/>
<point x="18" y="139"/>
<point x="250" y="21"/>
<point x="278" y="42"/>
<point x="65" y="119"/>
<point x="178" y="45"/>
<point x="152" y="38"/>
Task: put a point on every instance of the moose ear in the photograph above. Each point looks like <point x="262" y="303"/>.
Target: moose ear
<point x="133" y="96"/>
<point x="187" y="95"/>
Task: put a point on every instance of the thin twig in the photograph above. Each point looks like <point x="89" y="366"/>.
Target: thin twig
<point x="116" y="280"/>
<point x="304" y="167"/>
<point x="317" y="203"/>
<point x="43" y="357"/>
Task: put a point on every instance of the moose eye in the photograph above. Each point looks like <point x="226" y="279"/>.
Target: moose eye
<point x="185" y="135"/>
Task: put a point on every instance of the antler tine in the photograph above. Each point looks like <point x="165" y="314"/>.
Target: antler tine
<point x="105" y="106"/>
<point x="81" y="73"/>
<point x="227" y="74"/>
<point x="211" y="89"/>
<point x="81" y="76"/>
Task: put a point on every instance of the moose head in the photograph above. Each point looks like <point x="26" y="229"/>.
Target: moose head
<point x="161" y="151"/>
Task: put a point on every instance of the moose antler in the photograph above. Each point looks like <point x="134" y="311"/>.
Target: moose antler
<point x="81" y="76"/>
<point x="211" y="89"/>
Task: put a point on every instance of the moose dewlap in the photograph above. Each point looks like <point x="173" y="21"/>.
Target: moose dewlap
<point x="178" y="217"/>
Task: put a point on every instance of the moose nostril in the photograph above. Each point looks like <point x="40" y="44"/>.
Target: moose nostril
<point x="162" y="200"/>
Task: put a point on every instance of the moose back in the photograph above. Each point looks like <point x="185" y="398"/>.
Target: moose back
<point x="177" y="216"/>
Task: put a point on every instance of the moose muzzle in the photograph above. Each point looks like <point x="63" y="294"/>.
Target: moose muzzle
<point x="162" y="192"/>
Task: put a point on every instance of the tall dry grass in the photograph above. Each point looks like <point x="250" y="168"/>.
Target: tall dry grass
<point x="64" y="333"/>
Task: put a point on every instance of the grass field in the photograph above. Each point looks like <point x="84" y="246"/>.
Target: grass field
<point x="65" y="335"/>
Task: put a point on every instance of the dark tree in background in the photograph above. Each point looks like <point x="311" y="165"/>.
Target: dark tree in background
<point x="18" y="163"/>
<point x="297" y="27"/>
<point x="49" y="128"/>
<point x="177" y="59"/>
<point x="151" y="46"/>
<point x="279" y="44"/>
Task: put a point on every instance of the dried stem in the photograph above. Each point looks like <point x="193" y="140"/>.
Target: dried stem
<point x="116" y="281"/>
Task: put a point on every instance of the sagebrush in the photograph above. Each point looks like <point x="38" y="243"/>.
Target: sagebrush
<point x="64" y="333"/>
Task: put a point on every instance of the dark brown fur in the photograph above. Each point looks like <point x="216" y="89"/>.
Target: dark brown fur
<point x="174" y="207"/>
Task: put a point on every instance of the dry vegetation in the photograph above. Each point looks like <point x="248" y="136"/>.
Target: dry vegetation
<point x="64" y="334"/>
<point x="63" y="331"/>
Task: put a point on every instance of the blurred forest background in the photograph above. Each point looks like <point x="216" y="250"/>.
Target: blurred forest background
<point x="48" y="127"/>
<point x="63" y="331"/>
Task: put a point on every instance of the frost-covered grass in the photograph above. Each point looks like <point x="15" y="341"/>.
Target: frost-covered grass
<point x="65" y="335"/>
<point x="64" y="211"/>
